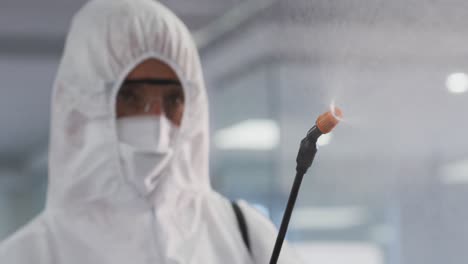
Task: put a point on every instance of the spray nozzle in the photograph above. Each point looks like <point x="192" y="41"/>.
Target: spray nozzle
<point x="324" y="124"/>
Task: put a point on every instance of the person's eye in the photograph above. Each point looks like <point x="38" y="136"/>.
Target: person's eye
<point x="175" y="99"/>
<point x="127" y="96"/>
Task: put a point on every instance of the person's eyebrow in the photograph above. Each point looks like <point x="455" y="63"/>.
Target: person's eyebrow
<point x="154" y="81"/>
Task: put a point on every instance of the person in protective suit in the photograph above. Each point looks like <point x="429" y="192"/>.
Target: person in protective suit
<point x="128" y="161"/>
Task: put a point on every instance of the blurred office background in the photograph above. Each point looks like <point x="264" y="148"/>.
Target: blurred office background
<point x="389" y="186"/>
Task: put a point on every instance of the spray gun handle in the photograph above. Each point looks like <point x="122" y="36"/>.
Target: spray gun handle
<point x="307" y="150"/>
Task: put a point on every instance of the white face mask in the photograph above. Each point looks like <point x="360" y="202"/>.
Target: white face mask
<point x="146" y="146"/>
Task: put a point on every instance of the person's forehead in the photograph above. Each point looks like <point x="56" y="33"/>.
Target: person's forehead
<point x="153" y="69"/>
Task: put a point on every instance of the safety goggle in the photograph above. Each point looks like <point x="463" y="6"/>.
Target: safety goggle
<point x="134" y="100"/>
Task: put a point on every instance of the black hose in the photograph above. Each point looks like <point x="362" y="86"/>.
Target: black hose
<point x="286" y="217"/>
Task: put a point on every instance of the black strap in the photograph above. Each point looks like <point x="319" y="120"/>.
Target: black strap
<point x="153" y="81"/>
<point x="242" y="224"/>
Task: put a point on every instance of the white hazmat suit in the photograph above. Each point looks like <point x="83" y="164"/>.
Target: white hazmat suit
<point x="95" y="213"/>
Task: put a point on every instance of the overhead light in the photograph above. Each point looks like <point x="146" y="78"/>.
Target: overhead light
<point x="252" y="134"/>
<point x="339" y="252"/>
<point x="457" y="82"/>
<point x="455" y="172"/>
<point x="328" y="217"/>
<point x="324" y="139"/>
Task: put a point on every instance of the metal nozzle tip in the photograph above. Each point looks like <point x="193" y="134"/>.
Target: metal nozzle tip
<point x="328" y="120"/>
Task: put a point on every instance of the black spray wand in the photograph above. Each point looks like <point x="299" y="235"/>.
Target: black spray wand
<point x="324" y="124"/>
